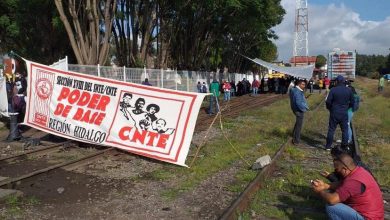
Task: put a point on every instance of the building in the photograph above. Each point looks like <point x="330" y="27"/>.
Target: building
<point x="303" y="60"/>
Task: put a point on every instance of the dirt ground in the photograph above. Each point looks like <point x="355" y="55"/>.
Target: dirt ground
<point x="117" y="186"/>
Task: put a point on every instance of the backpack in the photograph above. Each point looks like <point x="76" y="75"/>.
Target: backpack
<point x="355" y="106"/>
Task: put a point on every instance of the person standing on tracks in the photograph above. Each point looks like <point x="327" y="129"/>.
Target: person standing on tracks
<point x="340" y="98"/>
<point x="233" y="88"/>
<point x="146" y="82"/>
<point x="255" y="86"/>
<point x="299" y="107"/>
<point x="327" y="84"/>
<point x="199" y="87"/>
<point x="356" y="196"/>
<point x="204" y="87"/>
<point x="352" y="109"/>
<point x="214" y="90"/>
<point x="320" y="85"/>
<point x="311" y="85"/>
<point x="226" y="90"/>
<point x="290" y="86"/>
<point x="381" y="84"/>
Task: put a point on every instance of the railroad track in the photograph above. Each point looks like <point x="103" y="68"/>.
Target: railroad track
<point x="235" y="107"/>
<point x="34" y="157"/>
<point x="67" y="165"/>
<point x="27" y="161"/>
<point x="242" y="202"/>
<point x="41" y="151"/>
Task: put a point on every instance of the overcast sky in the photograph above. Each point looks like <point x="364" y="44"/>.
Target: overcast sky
<point x="346" y="24"/>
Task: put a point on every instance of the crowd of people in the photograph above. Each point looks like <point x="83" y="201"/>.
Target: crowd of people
<point x="266" y="85"/>
<point x="353" y="192"/>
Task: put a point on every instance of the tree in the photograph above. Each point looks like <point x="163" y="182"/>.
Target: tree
<point x="40" y="38"/>
<point x="223" y="29"/>
<point x="320" y="61"/>
<point x="88" y="25"/>
<point x="368" y="64"/>
<point x="190" y="34"/>
<point x="132" y="31"/>
<point x="184" y="34"/>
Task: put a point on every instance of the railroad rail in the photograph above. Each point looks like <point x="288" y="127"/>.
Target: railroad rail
<point x="10" y="182"/>
<point x="235" y="107"/>
<point x="40" y="151"/>
<point x="242" y="202"/>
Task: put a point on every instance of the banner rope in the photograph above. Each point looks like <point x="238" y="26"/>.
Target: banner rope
<point x="204" y="139"/>
<point x="219" y="113"/>
<point x="230" y="143"/>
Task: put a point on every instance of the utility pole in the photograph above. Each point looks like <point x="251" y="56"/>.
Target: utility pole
<point x="301" y="47"/>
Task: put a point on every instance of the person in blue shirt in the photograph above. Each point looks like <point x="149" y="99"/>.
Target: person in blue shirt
<point x="299" y="107"/>
<point x="340" y="98"/>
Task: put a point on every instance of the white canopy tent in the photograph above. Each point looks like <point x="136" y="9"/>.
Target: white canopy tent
<point x="305" y="72"/>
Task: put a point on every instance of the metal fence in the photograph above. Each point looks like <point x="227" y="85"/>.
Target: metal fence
<point x="170" y="79"/>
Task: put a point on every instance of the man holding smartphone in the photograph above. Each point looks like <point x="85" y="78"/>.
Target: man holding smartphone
<point x="356" y="196"/>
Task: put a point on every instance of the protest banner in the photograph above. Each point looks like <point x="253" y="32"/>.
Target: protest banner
<point x="149" y="121"/>
<point x="3" y="97"/>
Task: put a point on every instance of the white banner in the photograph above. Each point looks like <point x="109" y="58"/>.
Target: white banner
<point x="3" y="98"/>
<point x="61" y="64"/>
<point x="149" y="121"/>
<point x="305" y="72"/>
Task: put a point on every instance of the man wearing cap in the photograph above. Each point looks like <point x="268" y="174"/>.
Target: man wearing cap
<point x="340" y="98"/>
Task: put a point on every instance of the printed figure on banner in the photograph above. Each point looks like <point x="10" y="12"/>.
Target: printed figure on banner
<point x="143" y="120"/>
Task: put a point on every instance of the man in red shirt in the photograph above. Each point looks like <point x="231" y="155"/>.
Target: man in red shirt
<point x="356" y="196"/>
<point x="226" y="90"/>
<point x="327" y="83"/>
<point x="255" y="86"/>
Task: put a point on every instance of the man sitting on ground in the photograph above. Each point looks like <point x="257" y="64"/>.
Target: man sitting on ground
<point x="356" y="196"/>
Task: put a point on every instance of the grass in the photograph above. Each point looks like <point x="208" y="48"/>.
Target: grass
<point x="372" y="124"/>
<point x="291" y="188"/>
<point x="269" y="127"/>
<point x="14" y="206"/>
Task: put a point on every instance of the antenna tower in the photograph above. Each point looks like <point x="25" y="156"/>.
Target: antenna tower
<point x="301" y="40"/>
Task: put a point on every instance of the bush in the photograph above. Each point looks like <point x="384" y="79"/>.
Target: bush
<point x="374" y="75"/>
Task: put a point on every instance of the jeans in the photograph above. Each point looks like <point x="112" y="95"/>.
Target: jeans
<point x="298" y="126"/>
<point x="213" y="102"/>
<point x="337" y="118"/>
<point x="341" y="211"/>
<point x="350" y="115"/>
<point x="226" y="95"/>
<point x="254" y="90"/>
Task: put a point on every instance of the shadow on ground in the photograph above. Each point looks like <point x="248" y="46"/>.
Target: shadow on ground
<point x="300" y="205"/>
